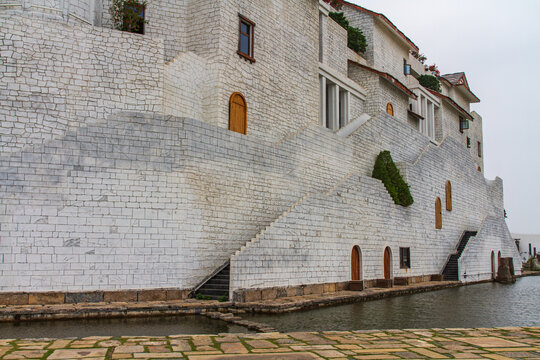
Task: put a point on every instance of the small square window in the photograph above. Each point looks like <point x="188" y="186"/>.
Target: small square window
<point x="404" y="258"/>
<point x="246" y="35"/>
<point x="463" y="124"/>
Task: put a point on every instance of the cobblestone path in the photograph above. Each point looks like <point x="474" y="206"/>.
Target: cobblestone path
<point x="497" y="344"/>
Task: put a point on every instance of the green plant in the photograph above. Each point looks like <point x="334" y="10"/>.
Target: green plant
<point x="223" y="298"/>
<point x="386" y="171"/>
<point x="336" y="4"/>
<point x="128" y="15"/>
<point x="430" y="82"/>
<point x="355" y="37"/>
<point x="203" y="297"/>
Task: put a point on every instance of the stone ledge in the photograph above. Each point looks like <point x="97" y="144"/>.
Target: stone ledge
<point x="52" y="297"/>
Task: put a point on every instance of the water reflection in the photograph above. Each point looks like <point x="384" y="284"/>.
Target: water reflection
<point x="154" y="326"/>
<point x="483" y="305"/>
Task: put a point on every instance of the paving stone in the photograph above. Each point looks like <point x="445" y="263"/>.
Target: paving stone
<point x="488" y="341"/>
<point x="233" y="348"/>
<point x="129" y="349"/>
<point x="281" y="356"/>
<point x="428" y="353"/>
<point x="26" y="354"/>
<point x="77" y="353"/>
<point x="261" y="344"/>
<point x="329" y="353"/>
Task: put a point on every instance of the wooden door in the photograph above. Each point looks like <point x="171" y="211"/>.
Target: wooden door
<point x="438" y="214"/>
<point x="238" y="113"/>
<point x="355" y="264"/>
<point x="448" y="195"/>
<point x="387" y="263"/>
<point x="390" y="109"/>
<point x="493" y="265"/>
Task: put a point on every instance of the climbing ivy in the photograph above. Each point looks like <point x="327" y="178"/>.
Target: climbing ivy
<point x="386" y="171"/>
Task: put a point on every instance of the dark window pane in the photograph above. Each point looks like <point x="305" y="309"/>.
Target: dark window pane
<point x="244" y="28"/>
<point x="244" y="44"/>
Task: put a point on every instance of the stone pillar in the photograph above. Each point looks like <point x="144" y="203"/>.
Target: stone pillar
<point x="505" y="273"/>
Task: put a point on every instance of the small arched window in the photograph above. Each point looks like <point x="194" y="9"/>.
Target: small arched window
<point x="448" y="195"/>
<point x="438" y="214"/>
<point x="479" y="169"/>
<point x="390" y="109"/>
<point x="238" y="113"/>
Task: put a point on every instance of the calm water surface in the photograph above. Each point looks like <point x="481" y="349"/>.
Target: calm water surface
<point x="482" y="305"/>
<point x="154" y="326"/>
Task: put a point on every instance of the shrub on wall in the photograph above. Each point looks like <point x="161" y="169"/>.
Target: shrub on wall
<point x="386" y="171"/>
<point x="430" y="82"/>
<point x="128" y="15"/>
<point x="355" y="37"/>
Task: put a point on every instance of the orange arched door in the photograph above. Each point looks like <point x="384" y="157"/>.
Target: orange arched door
<point x="448" y="195"/>
<point x="438" y="214"/>
<point x="238" y="113"/>
<point x="390" y="109"/>
<point x="387" y="263"/>
<point x="356" y="264"/>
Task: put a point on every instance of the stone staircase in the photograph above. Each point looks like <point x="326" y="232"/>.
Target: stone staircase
<point x="216" y="285"/>
<point x="248" y="244"/>
<point x="451" y="271"/>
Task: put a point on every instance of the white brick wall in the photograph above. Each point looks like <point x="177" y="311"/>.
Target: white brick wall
<point x="58" y="76"/>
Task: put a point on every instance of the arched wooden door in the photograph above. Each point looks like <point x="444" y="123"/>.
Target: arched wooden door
<point x="238" y="113"/>
<point x="356" y="264"/>
<point x="493" y="265"/>
<point x="448" y="195"/>
<point x="387" y="263"/>
<point x="438" y="214"/>
<point x="390" y="109"/>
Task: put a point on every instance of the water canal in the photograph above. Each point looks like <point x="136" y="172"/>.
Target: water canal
<point x="482" y="305"/>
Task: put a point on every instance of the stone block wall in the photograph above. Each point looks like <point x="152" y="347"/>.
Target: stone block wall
<point x="494" y="236"/>
<point x="335" y="47"/>
<point x="185" y="85"/>
<point x="56" y="76"/>
<point x="313" y="241"/>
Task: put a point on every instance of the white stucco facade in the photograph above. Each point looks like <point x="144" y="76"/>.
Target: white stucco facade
<point x="119" y="170"/>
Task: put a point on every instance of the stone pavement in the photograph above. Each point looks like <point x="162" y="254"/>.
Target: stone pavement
<point x="496" y="344"/>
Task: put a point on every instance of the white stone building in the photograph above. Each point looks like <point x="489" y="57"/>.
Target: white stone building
<point x="233" y="132"/>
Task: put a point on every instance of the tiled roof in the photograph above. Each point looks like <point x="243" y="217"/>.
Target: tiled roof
<point x="459" y="79"/>
<point x="386" y="20"/>
<point x="463" y="112"/>
<point x="388" y="77"/>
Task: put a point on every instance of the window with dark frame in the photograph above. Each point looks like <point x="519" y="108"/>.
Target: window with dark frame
<point x="246" y="38"/>
<point x="133" y="20"/>
<point x="479" y="149"/>
<point x="405" y="258"/>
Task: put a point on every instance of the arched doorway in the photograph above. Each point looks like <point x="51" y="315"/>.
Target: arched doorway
<point x="493" y="271"/>
<point x="438" y="214"/>
<point x="387" y="263"/>
<point x="238" y="113"/>
<point x="356" y="264"/>
<point x="390" y="109"/>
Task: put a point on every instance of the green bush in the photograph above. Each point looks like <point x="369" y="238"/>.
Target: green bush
<point x="355" y="37"/>
<point x="386" y="171"/>
<point x="430" y="82"/>
<point x="223" y="298"/>
<point x="203" y="297"/>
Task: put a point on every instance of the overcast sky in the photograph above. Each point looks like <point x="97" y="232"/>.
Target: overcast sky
<point x="497" y="44"/>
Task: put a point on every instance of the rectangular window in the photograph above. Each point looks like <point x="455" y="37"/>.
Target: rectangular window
<point x="463" y="124"/>
<point x="404" y="258"/>
<point x="468" y="142"/>
<point x="479" y="149"/>
<point x="133" y="19"/>
<point x="246" y="38"/>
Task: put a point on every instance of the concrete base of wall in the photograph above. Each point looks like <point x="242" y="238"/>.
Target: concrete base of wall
<point x="51" y="298"/>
